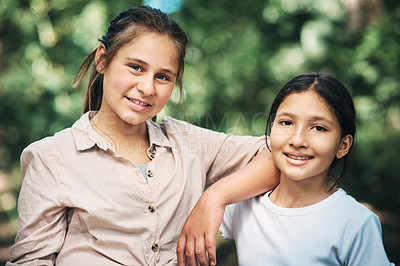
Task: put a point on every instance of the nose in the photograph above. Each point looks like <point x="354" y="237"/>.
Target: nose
<point x="298" y="139"/>
<point x="146" y="86"/>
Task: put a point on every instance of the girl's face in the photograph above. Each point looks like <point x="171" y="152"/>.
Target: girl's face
<point x="305" y="138"/>
<point x="139" y="80"/>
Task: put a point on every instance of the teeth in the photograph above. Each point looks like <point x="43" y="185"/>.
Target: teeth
<point x="137" y="102"/>
<point x="299" y="157"/>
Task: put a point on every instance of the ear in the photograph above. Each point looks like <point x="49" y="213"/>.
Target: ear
<point x="99" y="58"/>
<point x="344" y="147"/>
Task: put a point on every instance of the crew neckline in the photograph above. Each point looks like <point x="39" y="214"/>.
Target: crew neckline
<point x="272" y="207"/>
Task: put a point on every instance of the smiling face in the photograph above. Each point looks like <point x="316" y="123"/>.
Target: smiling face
<point x="139" y="80"/>
<point x="306" y="137"/>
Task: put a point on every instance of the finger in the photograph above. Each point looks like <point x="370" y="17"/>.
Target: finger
<point x="189" y="251"/>
<point x="200" y="251"/>
<point x="180" y="250"/>
<point x="210" y="247"/>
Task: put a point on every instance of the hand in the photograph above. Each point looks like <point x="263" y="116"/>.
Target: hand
<point x="199" y="231"/>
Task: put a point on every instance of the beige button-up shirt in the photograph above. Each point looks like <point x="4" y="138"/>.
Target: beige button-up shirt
<point x="82" y="204"/>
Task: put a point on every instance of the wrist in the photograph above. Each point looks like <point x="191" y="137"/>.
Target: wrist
<point x="216" y="195"/>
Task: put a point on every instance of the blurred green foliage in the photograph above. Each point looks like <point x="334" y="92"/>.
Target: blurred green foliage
<point x="241" y="53"/>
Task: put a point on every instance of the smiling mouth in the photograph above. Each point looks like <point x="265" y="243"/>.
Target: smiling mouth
<point x="137" y="102"/>
<point x="299" y="157"/>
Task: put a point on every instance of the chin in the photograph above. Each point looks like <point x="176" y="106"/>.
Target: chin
<point x="133" y="120"/>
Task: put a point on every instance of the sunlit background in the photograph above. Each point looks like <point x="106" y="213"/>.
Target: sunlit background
<point x="241" y="52"/>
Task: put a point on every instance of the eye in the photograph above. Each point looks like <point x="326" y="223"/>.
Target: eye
<point x="285" y="123"/>
<point x="162" y="77"/>
<point x="320" y="128"/>
<point x="136" y="67"/>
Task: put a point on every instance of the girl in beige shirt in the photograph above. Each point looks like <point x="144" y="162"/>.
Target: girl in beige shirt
<point x="116" y="188"/>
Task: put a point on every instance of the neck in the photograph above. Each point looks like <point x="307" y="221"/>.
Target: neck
<point x="118" y="133"/>
<point x="296" y="194"/>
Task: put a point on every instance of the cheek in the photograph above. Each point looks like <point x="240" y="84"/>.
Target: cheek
<point x="276" y="140"/>
<point x="118" y="81"/>
<point x="165" y="94"/>
<point x="276" y="150"/>
<point x="122" y="84"/>
<point x="325" y="148"/>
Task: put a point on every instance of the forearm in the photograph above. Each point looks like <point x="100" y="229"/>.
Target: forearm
<point x="258" y="176"/>
<point x="201" y="227"/>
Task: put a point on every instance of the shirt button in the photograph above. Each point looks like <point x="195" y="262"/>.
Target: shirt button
<point x="152" y="208"/>
<point x="155" y="247"/>
<point x="150" y="173"/>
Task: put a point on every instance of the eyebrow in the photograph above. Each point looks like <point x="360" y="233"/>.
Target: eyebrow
<point x="146" y="64"/>
<point x="311" y="118"/>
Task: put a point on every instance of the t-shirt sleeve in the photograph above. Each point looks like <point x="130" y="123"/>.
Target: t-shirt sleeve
<point x="367" y="245"/>
<point x="226" y="227"/>
<point x="220" y="153"/>
<point x="41" y="216"/>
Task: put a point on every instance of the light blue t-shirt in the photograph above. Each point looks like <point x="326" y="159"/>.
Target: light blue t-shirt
<point x="143" y="169"/>
<point x="335" y="231"/>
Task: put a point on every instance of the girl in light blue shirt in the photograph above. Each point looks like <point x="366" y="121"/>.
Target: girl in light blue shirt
<point x="307" y="219"/>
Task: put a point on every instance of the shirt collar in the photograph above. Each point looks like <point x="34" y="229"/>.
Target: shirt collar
<point x="85" y="137"/>
<point x="156" y="135"/>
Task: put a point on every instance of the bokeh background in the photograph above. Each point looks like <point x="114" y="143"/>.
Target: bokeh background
<point x="241" y="52"/>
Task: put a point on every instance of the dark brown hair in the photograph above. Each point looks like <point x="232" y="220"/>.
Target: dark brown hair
<point x="336" y="96"/>
<point x="127" y="26"/>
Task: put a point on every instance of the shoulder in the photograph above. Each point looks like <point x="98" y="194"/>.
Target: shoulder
<point x="246" y="208"/>
<point x="352" y="204"/>
<point x="50" y="142"/>
<point x="243" y="216"/>
<point x="43" y="156"/>
<point x="180" y="133"/>
<point x="361" y="235"/>
<point x="172" y="126"/>
<point x="356" y="213"/>
<point x="55" y="144"/>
